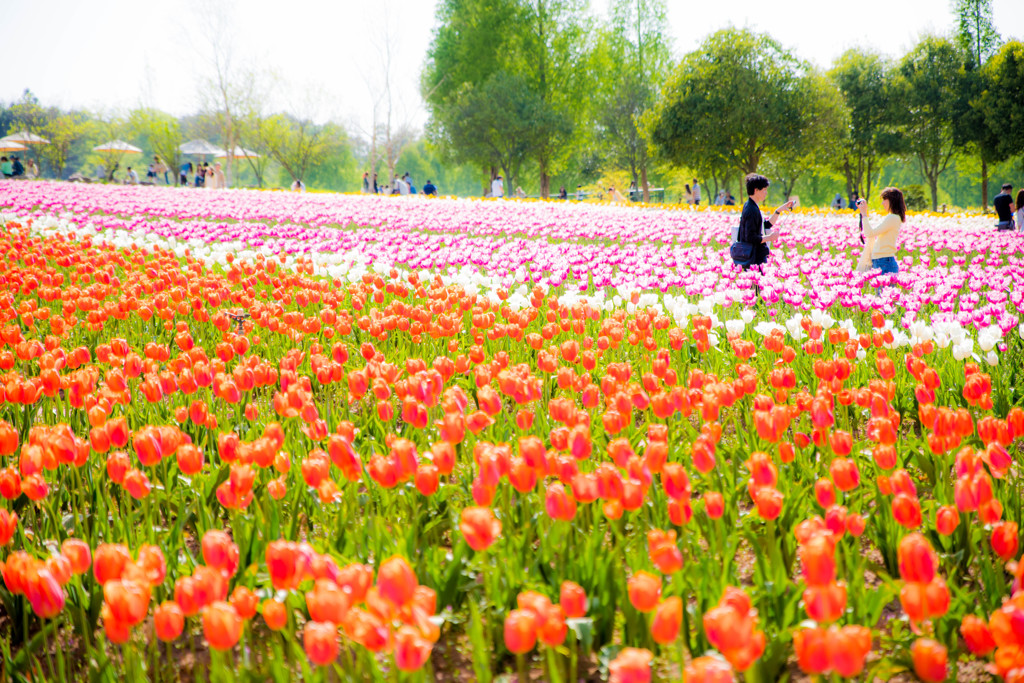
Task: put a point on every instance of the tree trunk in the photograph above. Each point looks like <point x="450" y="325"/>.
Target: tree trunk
<point x="545" y="181"/>
<point x="933" y="186"/>
<point x="984" y="185"/>
<point x="643" y="182"/>
<point x="867" y="181"/>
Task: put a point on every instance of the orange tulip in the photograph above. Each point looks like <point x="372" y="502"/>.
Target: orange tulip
<point x="1004" y="540"/>
<point x="847" y="648"/>
<point x="396" y="581"/>
<point x="947" y="518"/>
<point x="8" y="525"/>
<point x="811" y="646"/>
<point x="78" y="555"/>
<point x="245" y="602"/>
<point x="222" y="626"/>
<point x="109" y="561"/>
<point x="917" y="561"/>
<point x="663" y="551"/>
<point x="977" y="635"/>
<point x="411" y="649"/>
<point x="573" y="600"/>
<point x="275" y="614"/>
<point x="708" y="670"/>
<point x="520" y="631"/>
<point x="631" y="665"/>
<point x="644" y="591"/>
<point x="168" y="621"/>
<point x="825" y="603"/>
<point x="44" y="593"/>
<point x="667" y="620"/>
<point x="328" y="602"/>
<point x="320" y="640"/>
<point x="479" y="527"/>
<point x="219" y="551"/>
<point x="845" y="474"/>
<point x="714" y="504"/>
<point x="929" y="658"/>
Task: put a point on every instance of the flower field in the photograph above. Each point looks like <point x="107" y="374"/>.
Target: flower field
<point x="266" y="436"/>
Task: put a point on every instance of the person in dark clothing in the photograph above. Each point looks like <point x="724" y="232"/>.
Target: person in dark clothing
<point x="430" y="189"/>
<point x="17" y="168"/>
<point x="1003" y="204"/>
<point x="752" y="224"/>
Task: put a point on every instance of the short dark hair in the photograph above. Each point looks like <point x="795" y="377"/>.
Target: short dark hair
<point x="755" y="182"/>
<point x="1007" y="186"/>
<point x="897" y="205"/>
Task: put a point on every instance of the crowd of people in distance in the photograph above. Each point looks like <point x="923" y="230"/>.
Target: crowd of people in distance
<point x="202" y="175"/>
<point x="402" y="186"/>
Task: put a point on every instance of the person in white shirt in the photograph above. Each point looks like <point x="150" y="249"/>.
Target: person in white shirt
<point x="1020" y="210"/>
<point x="132" y="178"/>
<point x="298" y="186"/>
<point x="497" y="188"/>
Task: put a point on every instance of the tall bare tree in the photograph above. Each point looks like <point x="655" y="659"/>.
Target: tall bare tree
<point x="225" y="86"/>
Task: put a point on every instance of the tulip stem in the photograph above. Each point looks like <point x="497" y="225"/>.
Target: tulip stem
<point x="523" y="672"/>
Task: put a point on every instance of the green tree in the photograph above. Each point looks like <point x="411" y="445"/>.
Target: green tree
<point x="299" y="144"/>
<point x="978" y="39"/>
<point x="825" y="137"/>
<point x="976" y="34"/>
<point x="469" y="45"/>
<point x="1000" y="102"/>
<point x="929" y="94"/>
<point x="865" y="80"/>
<point x="551" y="41"/>
<point x="638" y="59"/>
<point x="501" y="124"/>
<point x="161" y="132"/>
<point x="730" y="102"/>
<point x="63" y="130"/>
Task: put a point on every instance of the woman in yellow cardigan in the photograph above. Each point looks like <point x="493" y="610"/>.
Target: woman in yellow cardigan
<point x="882" y="240"/>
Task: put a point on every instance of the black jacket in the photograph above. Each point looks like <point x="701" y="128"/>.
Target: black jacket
<point x="751" y="222"/>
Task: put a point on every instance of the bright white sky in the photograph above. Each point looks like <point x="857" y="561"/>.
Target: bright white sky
<point x="118" y="54"/>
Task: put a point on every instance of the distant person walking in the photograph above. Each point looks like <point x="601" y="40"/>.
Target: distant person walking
<point x="696" y="192"/>
<point x="883" y="248"/>
<point x="184" y="173"/>
<point x="376" y="187"/>
<point x="1003" y="204"/>
<point x="497" y="188"/>
<point x="688" y="194"/>
<point x="837" y="203"/>
<point x="366" y="183"/>
<point x="160" y="169"/>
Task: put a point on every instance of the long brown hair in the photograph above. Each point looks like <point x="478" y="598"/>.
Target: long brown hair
<point x="896" y="203"/>
<point x="1020" y="201"/>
